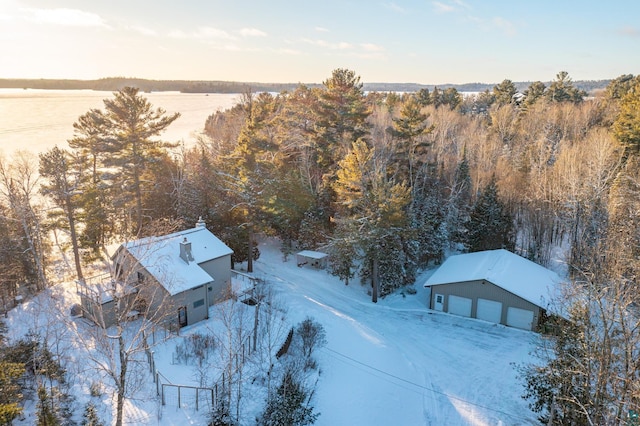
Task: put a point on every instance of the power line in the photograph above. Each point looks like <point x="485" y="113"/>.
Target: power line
<point x="423" y="387"/>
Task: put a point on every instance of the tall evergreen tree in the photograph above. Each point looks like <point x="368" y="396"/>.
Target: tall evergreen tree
<point x="409" y="130"/>
<point x="562" y="90"/>
<point x="534" y="92"/>
<point x="458" y="204"/>
<point x="63" y="186"/>
<point x="130" y="128"/>
<point x="250" y="173"/>
<point x="373" y="207"/>
<point x="504" y="92"/>
<point x="490" y="226"/>
<point x="626" y="127"/>
<point x="341" y="120"/>
<point x="342" y="116"/>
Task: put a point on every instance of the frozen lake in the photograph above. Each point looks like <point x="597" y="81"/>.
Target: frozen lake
<point x="36" y="120"/>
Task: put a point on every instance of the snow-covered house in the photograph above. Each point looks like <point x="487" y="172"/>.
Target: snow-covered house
<point x="184" y="272"/>
<point x="493" y="285"/>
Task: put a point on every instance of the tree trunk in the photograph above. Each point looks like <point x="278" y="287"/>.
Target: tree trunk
<point x="250" y="258"/>
<point x="122" y="378"/>
<point x="74" y="239"/>
<point x="138" y="190"/>
<point x="375" y="282"/>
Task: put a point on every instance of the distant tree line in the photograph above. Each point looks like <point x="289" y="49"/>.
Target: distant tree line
<point x="216" y="86"/>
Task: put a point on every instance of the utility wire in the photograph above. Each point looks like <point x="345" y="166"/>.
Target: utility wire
<point x="423" y="386"/>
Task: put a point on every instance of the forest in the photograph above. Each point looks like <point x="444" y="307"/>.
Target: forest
<point x="217" y="86"/>
<point x="388" y="184"/>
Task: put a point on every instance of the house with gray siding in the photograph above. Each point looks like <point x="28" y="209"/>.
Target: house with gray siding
<point x="176" y="276"/>
<point x="493" y="285"/>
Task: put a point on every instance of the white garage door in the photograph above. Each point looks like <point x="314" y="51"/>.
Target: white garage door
<point x="489" y="310"/>
<point x="460" y="306"/>
<point x="519" y="318"/>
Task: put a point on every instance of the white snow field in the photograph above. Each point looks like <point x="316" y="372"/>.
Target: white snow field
<point x="391" y="363"/>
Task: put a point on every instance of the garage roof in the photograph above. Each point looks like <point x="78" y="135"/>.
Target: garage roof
<point x="507" y="270"/>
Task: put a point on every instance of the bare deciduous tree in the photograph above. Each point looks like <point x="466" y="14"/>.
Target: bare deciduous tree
<point x="128" y="306"/>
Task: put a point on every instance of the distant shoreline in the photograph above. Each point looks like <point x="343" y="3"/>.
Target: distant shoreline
<point x="201" y="86"/>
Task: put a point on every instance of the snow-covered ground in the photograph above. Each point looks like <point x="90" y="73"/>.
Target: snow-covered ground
<point x="391" y="363"/>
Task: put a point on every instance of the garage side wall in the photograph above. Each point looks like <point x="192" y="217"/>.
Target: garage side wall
<point x="481" y="289"/>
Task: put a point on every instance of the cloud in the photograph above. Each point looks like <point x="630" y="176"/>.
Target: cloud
<point x="325" y="44"/>
<point x="65" y="17"/>
<point x="202" y="33"/>
<point x="504" y="25"/>
<point x="252" y="32"/>
<point x="629" y="31"/>
<point x="462" y="4"/>
<point x="442" y="8"/>
<point x="321" y="29"/>
<point x="144" y="30"/>
<point x="395" y="7"/>
<point x="285" y="51"/>
<point x="370" y="47"/>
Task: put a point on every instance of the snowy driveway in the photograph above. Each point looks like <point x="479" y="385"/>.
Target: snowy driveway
<point x="398" y="363"/>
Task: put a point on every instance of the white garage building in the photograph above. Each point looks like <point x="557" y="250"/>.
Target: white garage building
<point x="494" y="285"/>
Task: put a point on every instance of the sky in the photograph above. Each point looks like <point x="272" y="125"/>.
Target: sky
<point x="302" y="41"/>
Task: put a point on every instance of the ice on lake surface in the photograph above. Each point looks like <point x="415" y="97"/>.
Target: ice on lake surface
<point x="37" y="120"/>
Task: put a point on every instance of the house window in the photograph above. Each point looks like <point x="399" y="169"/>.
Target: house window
<point x="140" y="277"/>
<point x="439" y="298"/>
<point x="198" y="303"/>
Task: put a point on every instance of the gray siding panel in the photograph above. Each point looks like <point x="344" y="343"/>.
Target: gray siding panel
<point x="220" y="271"/>
<point x="187" y="298"/>
<point x="484" y="290"/>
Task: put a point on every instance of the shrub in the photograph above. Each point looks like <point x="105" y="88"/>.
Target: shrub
<point x="312" y="336"/>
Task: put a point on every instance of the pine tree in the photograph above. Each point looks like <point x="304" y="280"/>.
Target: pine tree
<point x="343" y="254"/>
<point x="129" y="126"/>
<point x="562" y="90"/>
<point x="490" y="226"/>
<point x="626" y="127"/>
<point x="90" y="416"/>
<point x="10" y="395"/>
<point x="458" y="204"/>
<point x="250" y="172"/>
<point x="373" y="207"/>
<point x="62" y="185"/>
<point x="411" y="146"/>
<point x="289" y="405"/>
<point x="534" y="92"/>
<point x="504" y="92"/>
<point x="46" y="412"/>
<point x="392" y="269"/>
<point x="342" y="117"/>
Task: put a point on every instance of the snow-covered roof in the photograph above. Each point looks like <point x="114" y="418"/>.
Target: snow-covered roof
<point x="517" y="275"/>
<point x="160" y="256"/>
<point x="312" y="254"/>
